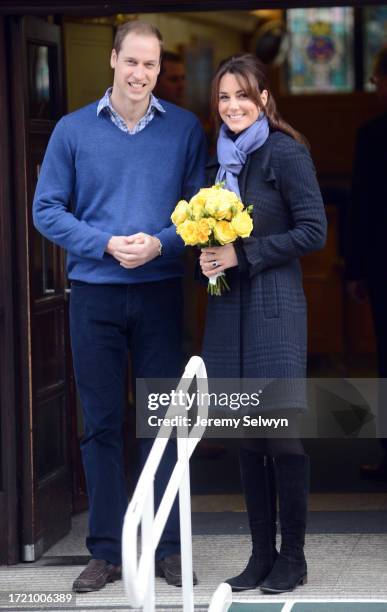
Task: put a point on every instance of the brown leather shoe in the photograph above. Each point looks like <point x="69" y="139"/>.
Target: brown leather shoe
<point x="96" y="575"/>
<point x="170" y="569"/>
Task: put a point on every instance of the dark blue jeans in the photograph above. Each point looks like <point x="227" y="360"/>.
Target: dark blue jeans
<point x="106" y="322"/>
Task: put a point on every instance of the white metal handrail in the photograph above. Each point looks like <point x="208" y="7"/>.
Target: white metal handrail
<point x="221" y="601"/>
<point x="139" y="573"/>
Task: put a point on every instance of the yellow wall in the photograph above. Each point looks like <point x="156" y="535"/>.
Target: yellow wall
<point x="178" y="31"/>
<point x="87" y="53"/>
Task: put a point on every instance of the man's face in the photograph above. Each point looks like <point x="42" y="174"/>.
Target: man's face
<point x="136" y="67"/>
<point x="171" y="83"/>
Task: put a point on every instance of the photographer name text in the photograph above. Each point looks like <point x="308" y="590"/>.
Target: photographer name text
<point x="234" y="422"/>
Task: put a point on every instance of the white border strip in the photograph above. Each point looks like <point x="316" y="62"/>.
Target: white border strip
<point x="291" y="603"/>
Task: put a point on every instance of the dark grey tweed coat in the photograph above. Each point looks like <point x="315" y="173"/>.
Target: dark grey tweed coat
<point x="258" y="329"/>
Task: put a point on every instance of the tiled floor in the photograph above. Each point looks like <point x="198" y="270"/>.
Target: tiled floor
<point x="349" y="566"/>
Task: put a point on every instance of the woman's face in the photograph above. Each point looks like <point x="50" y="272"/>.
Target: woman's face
<point x="236" y="110"/>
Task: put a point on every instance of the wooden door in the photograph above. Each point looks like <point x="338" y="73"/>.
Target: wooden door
<point x="45" y="381"/>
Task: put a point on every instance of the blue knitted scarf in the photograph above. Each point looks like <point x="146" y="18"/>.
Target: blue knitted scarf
<point x="232" y="154"/>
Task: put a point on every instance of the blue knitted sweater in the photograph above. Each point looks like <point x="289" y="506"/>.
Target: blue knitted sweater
<point x="96" y="181"/>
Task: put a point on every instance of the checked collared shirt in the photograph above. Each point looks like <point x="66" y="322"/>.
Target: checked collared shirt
<point x="105" y="105"/>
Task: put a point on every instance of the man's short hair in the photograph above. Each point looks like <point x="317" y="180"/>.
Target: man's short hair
<point x="136" y="27"/>
<point x="170" y="56"/>
<point x="380" y="63"/>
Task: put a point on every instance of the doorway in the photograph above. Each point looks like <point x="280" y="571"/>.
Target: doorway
<point x="52" y="482"/>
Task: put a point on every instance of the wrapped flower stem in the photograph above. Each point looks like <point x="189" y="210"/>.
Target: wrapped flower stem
<point x="218" y="284"/>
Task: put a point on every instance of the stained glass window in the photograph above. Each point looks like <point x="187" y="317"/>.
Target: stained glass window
<point x="321" y="50"/>
<point x="375" y="37"/>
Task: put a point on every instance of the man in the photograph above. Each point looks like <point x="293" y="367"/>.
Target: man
<point x="171" y="82"/>
<point x="123" y="162"/>
<point x="366" y="269"/>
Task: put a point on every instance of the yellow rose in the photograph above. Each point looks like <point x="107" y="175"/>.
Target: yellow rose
<point x="242" y="223"/>
<point x="211" y="222"/>
<point x="196" y="207"/>
<point x="218" y="207"/>
<point x="188" y="231"/>
<point x="221" y="203"/>
<point x="197" y="203"/>
<point x="224" y="232"/>
<point x="179" y="215"/>
<point x="239" y="206"/>
<point x="204" y="229"/>
<point x="203" y="194"/>
<point x="230" y="196"/>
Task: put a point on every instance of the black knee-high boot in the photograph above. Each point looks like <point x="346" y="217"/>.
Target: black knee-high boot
<point x="258" y="479"/>
<point x="290" y="569"/>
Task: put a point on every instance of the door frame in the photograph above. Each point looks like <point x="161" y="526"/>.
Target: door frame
<point x="93" y="7"/>
<point x="41" y="494"/>
<point x="8" y="417"/>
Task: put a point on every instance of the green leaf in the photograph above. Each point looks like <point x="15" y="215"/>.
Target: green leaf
<point x="220" y="185"/>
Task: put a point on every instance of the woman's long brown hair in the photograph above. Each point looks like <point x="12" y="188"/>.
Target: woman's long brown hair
<point x="251" y="74"/>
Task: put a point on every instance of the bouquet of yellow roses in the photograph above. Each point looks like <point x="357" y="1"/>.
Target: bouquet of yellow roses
<point x="213" y="217"/>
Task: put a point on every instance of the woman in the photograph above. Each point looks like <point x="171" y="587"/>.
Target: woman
<point x="258" y="329"/>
